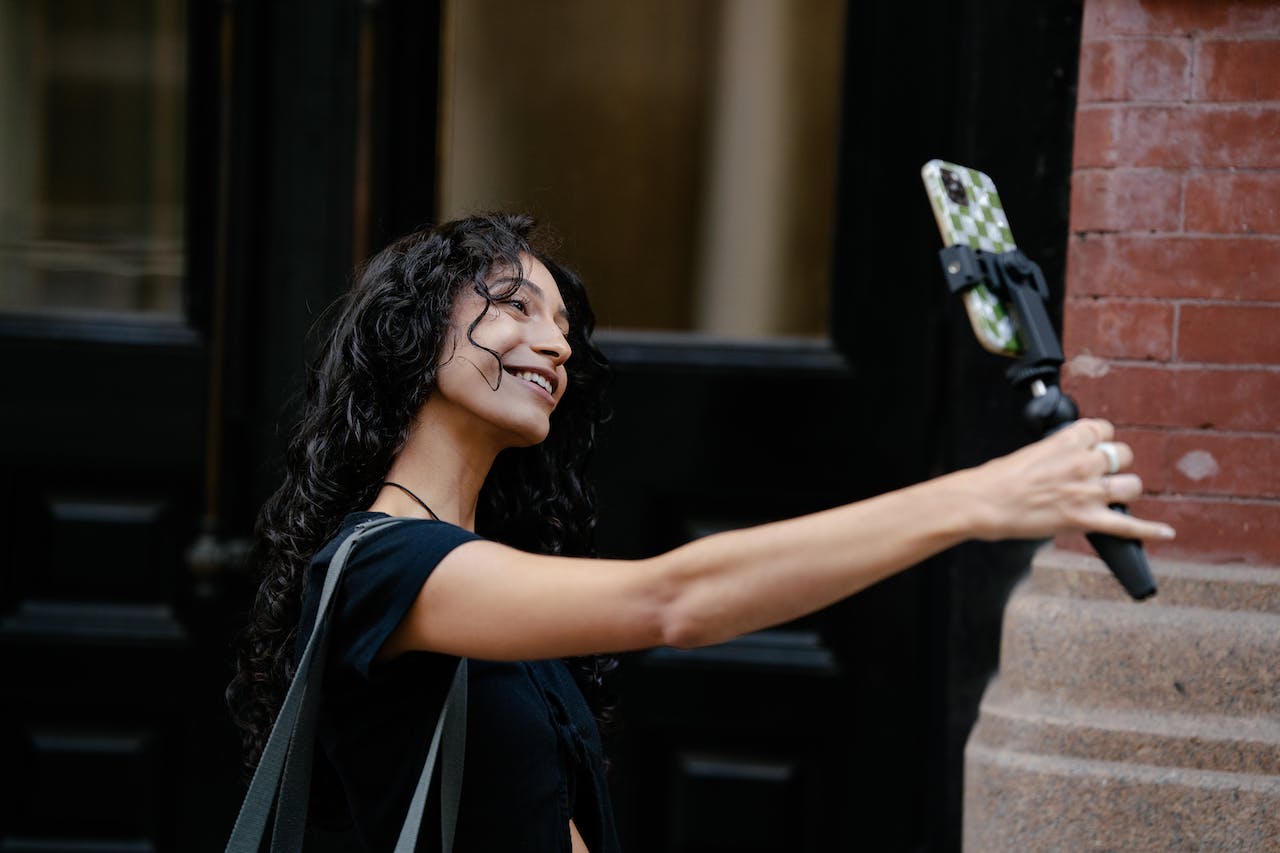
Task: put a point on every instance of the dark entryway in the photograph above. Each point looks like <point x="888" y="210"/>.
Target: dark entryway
<point x="310" y="136"/>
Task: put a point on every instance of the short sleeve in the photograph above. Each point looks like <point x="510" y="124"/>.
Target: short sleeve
<point x="384" y="573"/>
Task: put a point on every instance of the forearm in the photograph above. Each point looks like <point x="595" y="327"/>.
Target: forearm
<point x="490" y="601"/>
<point x="730" y="583"/>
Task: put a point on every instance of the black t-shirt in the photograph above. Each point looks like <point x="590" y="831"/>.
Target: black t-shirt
<point x="533" y="757"/>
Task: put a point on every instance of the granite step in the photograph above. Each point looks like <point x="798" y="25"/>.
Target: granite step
<point x="1117" y="725"/>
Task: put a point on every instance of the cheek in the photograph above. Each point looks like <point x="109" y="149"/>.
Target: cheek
<point x="476" y="349"/>
<point x="496" y="331"/>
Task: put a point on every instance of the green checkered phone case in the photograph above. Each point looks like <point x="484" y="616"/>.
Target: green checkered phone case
<point x="969" y="212"/>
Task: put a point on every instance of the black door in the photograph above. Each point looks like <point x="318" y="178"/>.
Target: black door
<point x="103" y="330"/>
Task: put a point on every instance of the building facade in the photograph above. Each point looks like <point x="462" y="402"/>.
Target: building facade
<point x="185" y="186"/>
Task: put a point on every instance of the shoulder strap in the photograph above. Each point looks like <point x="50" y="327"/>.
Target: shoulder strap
<point x="452" y="728"/>
<point x="285" y="765"/>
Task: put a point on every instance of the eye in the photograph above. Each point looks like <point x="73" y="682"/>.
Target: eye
<point x="519" y="305"/>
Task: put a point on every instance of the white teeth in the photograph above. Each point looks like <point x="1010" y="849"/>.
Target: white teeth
<point x="536" y="378"/>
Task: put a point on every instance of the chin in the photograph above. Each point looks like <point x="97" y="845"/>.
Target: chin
<point x="528" y="435"/>
<point x="533" y="440"/>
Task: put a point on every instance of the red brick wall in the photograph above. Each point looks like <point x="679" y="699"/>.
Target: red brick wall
<point x="1172" y="317"/>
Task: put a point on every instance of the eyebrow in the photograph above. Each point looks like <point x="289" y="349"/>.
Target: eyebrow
<point x="563" y="313"/>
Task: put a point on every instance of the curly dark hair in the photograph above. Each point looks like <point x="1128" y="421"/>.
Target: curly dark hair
<point x="374" y="371"/>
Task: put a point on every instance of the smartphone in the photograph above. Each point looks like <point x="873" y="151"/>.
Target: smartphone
<point x="969" y="212"/>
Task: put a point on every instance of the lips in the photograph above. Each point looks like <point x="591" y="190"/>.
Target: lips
<point x="544" y="379"/>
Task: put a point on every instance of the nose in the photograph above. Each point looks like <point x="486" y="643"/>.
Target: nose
<point x="555" y="347"/>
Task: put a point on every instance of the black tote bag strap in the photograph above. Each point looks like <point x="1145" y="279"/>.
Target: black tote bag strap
<point x="285" y="765"/>
<point x="451" y="728"/>
<point x="289" y="832"/>
<point x="251" y="823"/>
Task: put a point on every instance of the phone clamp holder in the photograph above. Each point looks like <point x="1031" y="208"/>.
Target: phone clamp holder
<point x="1018" y="282"/>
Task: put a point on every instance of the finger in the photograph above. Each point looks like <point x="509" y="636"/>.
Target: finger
<point x="1128" y="527"/>
<point x="1120" y="488"/>
<point x="1123" y="455"/>
<point x="1087" y="432"/>
<point x="1101" y="429"/>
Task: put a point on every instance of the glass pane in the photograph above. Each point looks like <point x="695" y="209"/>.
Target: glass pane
<point x="685" y="152"/>
<point x="92" y="101"/>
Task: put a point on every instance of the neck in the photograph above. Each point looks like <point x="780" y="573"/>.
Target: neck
<point x="442" y="465"/>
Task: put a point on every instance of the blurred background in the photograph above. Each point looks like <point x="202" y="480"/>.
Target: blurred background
<point x="184" y="188"/>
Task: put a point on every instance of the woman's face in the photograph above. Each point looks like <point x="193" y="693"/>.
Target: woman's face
<point x="527" y="327"/>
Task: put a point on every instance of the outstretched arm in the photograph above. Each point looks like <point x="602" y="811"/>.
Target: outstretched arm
<point x="485" y="600"/>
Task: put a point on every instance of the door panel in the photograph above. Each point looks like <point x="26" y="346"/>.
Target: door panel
<point x="755" y="744"/>
<point x="102" y="425"/>
<point x="739" y="744"/>
<point x="99" y="455"/>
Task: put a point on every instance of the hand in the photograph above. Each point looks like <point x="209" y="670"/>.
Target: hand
<point x="1060" y="484"/>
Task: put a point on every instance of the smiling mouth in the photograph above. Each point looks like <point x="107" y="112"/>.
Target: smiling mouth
<point x="536" y="378"/>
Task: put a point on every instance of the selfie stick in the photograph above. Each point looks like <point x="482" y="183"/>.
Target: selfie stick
<point x="1017" y="281"/>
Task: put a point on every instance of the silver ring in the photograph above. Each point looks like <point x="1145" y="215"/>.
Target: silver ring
<point x="1113" y="458"/>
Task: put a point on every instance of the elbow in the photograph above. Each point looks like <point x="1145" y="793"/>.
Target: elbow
<point x="681" y="633"/>
<point x="674" y="613"/>
<point x="686" y="625"/>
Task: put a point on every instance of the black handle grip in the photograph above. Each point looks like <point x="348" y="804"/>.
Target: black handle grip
<point x="1019" y="281"/>
<point x="1126" y="559"/>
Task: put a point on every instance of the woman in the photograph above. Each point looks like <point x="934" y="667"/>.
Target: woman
<point x="459" y="389"/>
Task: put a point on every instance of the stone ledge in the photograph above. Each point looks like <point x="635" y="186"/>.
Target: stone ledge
<point x="1197" y="741"/>
<point x="1141" y="656"/>
<point x="1215" y="586"/>
<point x="1049" y="803"/>
<point x="1118" y="725"/>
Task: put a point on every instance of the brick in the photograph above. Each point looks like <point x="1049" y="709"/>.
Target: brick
<point x="1214" y="463"/>
<point x="1150" y="456"/>
<point x="1118" y="328"/>
<point x="1179" y="17"/>
<point x="1138" y="70"/>
<point x="1237" y="71"/>
<point x="1196" y="398"/>
<point x="1232" y="202"/>
<point x="1229" y="334"/>
<point x="1125" y="200"/>
<point x="1174" y="267"/>
<point x="1218" y="529"/>
<point x="1242" y="137"/>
